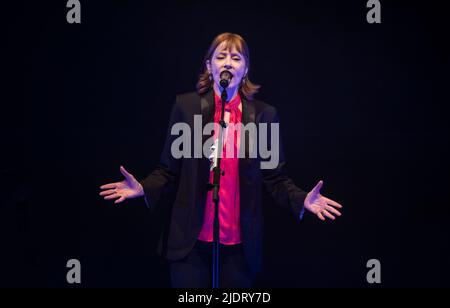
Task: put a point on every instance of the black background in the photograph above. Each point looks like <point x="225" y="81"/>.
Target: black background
<point x="362" y="106"/>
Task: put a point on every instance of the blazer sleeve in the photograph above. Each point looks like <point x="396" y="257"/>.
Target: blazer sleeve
<point x="162" y="180"/>
<point x="276" y="181"/>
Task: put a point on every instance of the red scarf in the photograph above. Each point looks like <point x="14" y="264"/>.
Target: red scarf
<point x="229" y="199"/>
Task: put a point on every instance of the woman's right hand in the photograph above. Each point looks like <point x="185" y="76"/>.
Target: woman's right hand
<point x="127" y="189"/>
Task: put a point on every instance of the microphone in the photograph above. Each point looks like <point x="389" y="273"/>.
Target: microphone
<point x="225" y="78"/>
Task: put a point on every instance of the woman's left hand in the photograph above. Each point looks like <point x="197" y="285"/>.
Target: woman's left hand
<point x="320" y="205"/>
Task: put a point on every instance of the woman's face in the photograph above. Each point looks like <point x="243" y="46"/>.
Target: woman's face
<point x="231" y="60"/>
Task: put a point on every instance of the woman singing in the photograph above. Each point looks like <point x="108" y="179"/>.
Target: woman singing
<point x="187" y="241"/>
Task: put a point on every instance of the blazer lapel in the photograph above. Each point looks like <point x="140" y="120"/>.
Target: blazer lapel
<point x="207" y="109"/>
<point x="248" y="116"/>
<point x="245" y="164"/>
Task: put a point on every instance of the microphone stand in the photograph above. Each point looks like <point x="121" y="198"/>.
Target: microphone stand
<point x="217" y="173"/>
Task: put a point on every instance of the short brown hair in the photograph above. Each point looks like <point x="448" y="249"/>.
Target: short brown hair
<point x="246" y="88"/>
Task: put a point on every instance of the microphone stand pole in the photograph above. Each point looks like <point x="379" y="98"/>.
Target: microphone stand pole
<point x="217" y="173"/>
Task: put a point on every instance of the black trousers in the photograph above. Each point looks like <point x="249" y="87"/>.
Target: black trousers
<point x="195" y="270"/>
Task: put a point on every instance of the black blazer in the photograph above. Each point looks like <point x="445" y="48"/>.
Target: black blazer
<point x="187" y="178"/>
